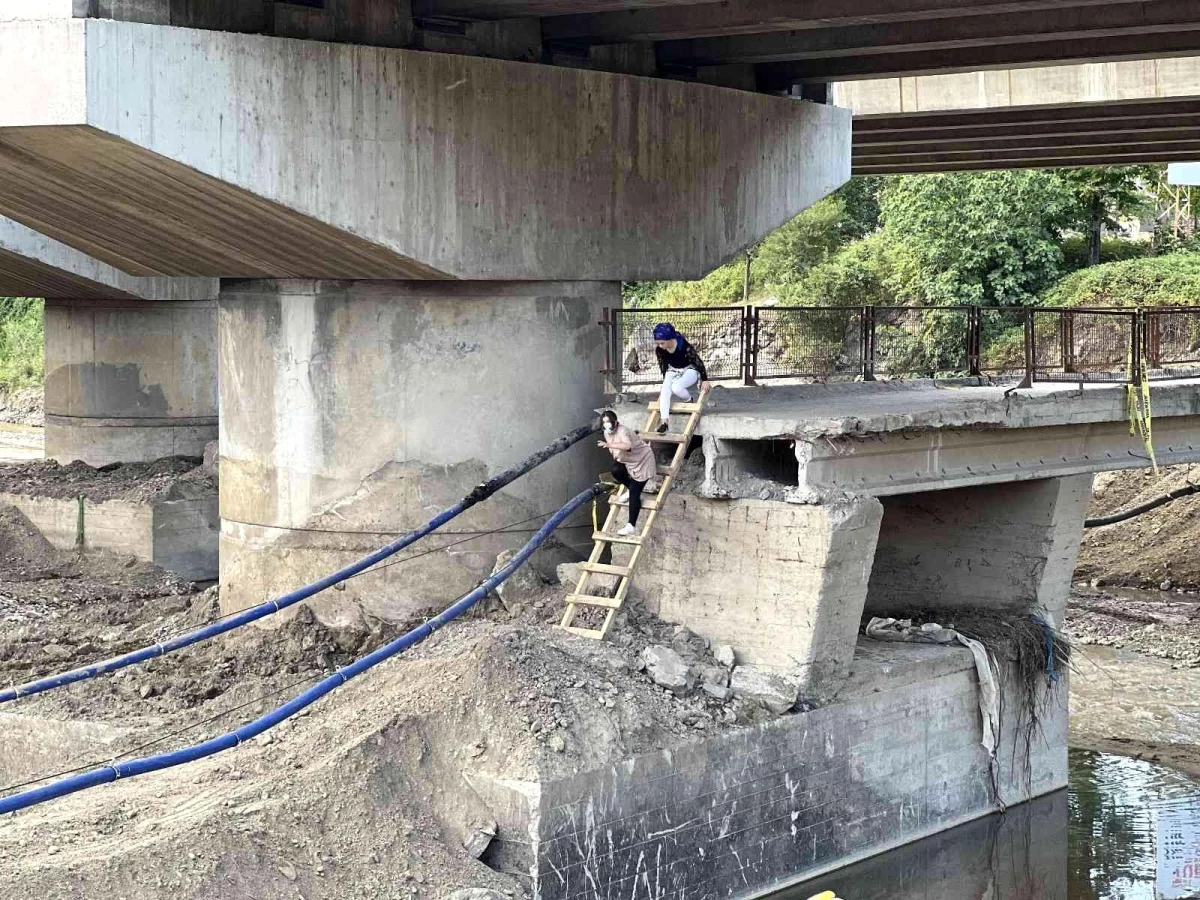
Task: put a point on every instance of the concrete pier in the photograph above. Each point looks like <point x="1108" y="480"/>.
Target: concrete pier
<point x="352" y="411"/>
<point x="129" y="380"/>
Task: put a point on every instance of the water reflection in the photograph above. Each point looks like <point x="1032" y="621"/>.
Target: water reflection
<point x="1099" y="840"/>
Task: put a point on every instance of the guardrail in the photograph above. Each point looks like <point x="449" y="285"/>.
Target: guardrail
<point x="761" y="343"/>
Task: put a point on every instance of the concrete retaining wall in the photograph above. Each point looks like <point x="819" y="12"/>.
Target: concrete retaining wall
<point x="181" y="536"/>
<point x="896" y="758"/>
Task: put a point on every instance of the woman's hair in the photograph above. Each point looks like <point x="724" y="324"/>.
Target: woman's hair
<point x="610" y="415"/>
<point x="665" y="331"/>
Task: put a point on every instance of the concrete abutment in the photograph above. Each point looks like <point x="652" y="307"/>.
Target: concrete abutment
<point x="354" y="411"/>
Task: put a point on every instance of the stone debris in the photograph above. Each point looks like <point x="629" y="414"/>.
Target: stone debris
<point x="602" y="585"/>
<point x="775" y="691"/>
<point x="480" y="839"/>
<point x="668" y="670"/>
<point x="521" y="587"/>
<point x="725" y="655"/>
<point x="475" y="894"/>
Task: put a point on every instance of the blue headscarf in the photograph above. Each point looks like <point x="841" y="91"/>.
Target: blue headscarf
<point x="665" y="331"/>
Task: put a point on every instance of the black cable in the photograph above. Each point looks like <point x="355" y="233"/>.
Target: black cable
<point x="1122" y="515"/>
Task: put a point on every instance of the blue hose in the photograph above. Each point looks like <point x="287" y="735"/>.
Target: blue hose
<point x="312" y="695"/>
<point x="254" y="613"/>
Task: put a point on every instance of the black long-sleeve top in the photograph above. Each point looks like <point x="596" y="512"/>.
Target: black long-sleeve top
<point x="685" y="355"/>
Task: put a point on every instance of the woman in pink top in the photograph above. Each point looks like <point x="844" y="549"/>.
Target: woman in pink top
<point x="634" y="463"/>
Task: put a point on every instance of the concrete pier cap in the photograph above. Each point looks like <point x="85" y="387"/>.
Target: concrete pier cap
<point x="131" y="364"/>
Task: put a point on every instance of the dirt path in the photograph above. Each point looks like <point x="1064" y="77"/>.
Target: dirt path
<point x="20" y="443"/>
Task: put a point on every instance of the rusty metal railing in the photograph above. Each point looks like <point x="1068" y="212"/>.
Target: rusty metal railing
<point x="846" y="343"/>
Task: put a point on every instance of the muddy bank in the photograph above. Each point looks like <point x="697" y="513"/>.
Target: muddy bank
<point x="1150" y="549"/>
<point x="170" y="478"/>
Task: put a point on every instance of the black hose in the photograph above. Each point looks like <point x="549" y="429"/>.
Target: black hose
<point x="1124" y="514"/>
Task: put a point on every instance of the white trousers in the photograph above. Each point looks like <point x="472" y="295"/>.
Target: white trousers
<point x="675" y="384"/>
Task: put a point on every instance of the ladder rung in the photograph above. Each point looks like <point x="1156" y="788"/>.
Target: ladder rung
<point x="667" y="470"/>
<point x="591" y="600"/>
<point x="586" y="632"/>
<point x="647" y="503"/>
<point x="677" y="407"/>
<point x="603" y="569"/>
<point x="617" y="538"/>
<point x="667" y="438"/>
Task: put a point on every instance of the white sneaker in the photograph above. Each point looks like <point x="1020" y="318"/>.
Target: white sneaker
<point x="627" y="530"/>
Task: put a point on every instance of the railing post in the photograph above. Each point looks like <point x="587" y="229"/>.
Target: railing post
<point x="974" y="340"/>
<point x="868" y="343"/>
<point x="749" y="345"/>
<point x="1030" y="352"/>
<point x="613" y="362"/>
<point x="1067" y="336"/>
<point x="1137" y="333"/>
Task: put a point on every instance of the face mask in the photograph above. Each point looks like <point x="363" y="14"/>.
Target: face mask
<point x="607" y="427"/>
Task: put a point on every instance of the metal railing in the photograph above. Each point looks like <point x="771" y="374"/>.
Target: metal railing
<point x="846" y="343"/>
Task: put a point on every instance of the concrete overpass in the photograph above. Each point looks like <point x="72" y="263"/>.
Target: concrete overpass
<point x="1092" y="114"/>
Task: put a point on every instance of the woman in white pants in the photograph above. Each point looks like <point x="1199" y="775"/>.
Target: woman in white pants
<point x="681" y="368"/>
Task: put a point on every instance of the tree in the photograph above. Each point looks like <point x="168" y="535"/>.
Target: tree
<point x="1104" y="195"/>
<point x="989" y="238"/>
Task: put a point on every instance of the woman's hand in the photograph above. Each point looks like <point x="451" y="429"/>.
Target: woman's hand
<point x="705" y="386"/>
<point x="603" y="444"/>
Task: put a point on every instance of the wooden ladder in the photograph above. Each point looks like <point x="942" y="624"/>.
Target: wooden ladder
<point x="650" y="507"/>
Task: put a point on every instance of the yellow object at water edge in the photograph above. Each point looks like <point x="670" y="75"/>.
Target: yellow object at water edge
<point x="824" y="895"/>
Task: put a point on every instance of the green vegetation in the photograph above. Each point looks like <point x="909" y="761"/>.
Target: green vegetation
<point x="21" y="356"/>
<point x="1171" y="280"/>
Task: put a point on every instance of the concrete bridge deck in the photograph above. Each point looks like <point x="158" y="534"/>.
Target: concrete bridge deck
<point x="884" y="438"/>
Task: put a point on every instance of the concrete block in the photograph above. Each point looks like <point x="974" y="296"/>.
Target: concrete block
<point x="783" y="584"/>
<point x="775" y="691"/>
<point x="181" y="536"/>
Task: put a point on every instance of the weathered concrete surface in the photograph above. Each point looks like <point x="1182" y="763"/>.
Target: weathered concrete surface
<point x="894" y="438"/>
<point x="784" y="584"/>
<point x="181" y="536"/>
<point x="129" y="381"/>
<point x="354" y="411"/>
<point x="1008" y="546"/>
<point x="1100" y="82"/>
<point x="894" y="758"/>
<point x="377" y="163"/>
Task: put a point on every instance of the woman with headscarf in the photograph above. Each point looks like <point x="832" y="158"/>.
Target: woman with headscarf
<point x="681" y="368"/>
<point x="633" y="464"/>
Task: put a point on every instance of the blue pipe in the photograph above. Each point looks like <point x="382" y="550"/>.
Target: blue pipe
<point x="252" y="729"/>
<point x="254" y="613"/>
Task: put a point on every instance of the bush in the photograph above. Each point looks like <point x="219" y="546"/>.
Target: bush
<point x="22" y="360"/>
<point x="1171" y="280"/>
<point x="1075" y="251"/>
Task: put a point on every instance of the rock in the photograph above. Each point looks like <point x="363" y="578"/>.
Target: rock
<point x="1166" y="585"/>
<point x="725" y="656"/>
<point x="146" y="691"/>
<point x="556" y="743"/>
<point x="774" y="691"/>
<point x="667" y="669"/>
<point x="212" y="458"/>
<point x="475" y="894"/>
<point x="718" y="691"/>
<point x="520" y="587"/>
<point x="480" y="839"/>
<point x="718" y="675"/>
<point x="288" y="871"/>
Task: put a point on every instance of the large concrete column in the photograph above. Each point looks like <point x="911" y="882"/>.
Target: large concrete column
<point x="353" y="410"/>
<point x="783" y="583"/>
<point x="129" y="380"/>
<point x="1004" y="546"/>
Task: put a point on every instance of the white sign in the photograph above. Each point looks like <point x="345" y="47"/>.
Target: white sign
<point x="1183" y="173"/>
<point x="1178" y="855"/>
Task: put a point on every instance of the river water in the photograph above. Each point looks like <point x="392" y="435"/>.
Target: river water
<point x="1101" y="839"/>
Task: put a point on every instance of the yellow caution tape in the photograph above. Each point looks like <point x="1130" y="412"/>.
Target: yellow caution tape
<point x="1140" y="415"/>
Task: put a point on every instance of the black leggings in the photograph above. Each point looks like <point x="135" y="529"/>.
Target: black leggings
<point x="621" y="472"/>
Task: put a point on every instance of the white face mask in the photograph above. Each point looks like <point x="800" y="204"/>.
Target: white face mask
<point x="607" y="426"/>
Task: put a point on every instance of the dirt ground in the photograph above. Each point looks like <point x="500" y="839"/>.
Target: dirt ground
<point x="23" y="407"/>
<point x="365" y="797"/>
<point x="170" y="478"/>
<point x="1150" y="549"/>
